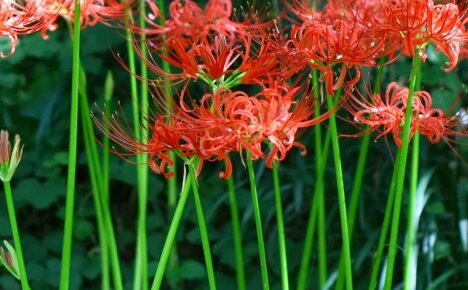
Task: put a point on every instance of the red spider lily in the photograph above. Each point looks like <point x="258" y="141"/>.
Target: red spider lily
<point x="224" y="122"/>
<point x="322" y="45"/>
<point x="447" y="31"/>
<point x="21" y="18"/>
<point x="220" y="61"/>
<point x="411" y="24"/>
<point x="187" y="19"/>
<point x="92" y="11"/>
<point x="211" y="59"/>
<point x="388" y="115"/>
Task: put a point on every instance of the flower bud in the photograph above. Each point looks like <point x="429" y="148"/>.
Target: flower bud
<point x="9" y="159"/>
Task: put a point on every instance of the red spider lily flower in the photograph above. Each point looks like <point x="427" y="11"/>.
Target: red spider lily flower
<point x="189" y="20"/>
<point x="224" y="122"/>
<point x="21" y="18"/>
<point x="92" y="11"/>
<point x="220" y="61"/>
<point x="388" y="115"/>
<point x="411" y="24"/>
<point x="322" y="45"/>
<point x="447" y="31"/>
<point x="211" y="59"/>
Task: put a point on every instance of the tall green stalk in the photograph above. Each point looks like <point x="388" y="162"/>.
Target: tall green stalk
<point x="358" y="178"/>
<point x="203" y="230"/>
<point x="141" y="252"/>
<point x="240" y="274"/>
<point x="317" y="201"/>
<point x="341" y="192"/>
<point x="102" y="233"/>
<point x="318" y="204"/>
<point x="72" y="152"/>
<point x="16" y="236"/>
<point x="258" y="223"/>
<point x="401" y="175"/>
<point x="172" y="182"/>
<point x="385" y="227"/>
<point x="409" y="275"/>
<point x="99" y="185"/>
<point x="166" y="252"/>
<point x="411" y="229"/>
<point x="280" y="223"/>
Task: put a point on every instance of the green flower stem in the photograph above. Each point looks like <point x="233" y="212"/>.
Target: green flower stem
<point x="321" y="161"/>
<point x="341" y="192"/>
<point x="72" y="152"/>
<point x="411" y="227"/>
<point x="166" y="252"/>
<point x="401" y="176"/>
<point x="102" y="233"/>
<point x="281" y="237"/>
<point x="355" y="193"/>
<point x="385" y="228"/>
<point x="240" y="274"/>
<point x="258" y="223"/>
<point x="203" y="230"/>
<point x="317" y="202"/>
<point x="99" y="186"/>
<point x="141" y="252"/>
<point x="357" y="183"/>
<point x="172" y="182"/>
<point x="16" y="236"/>
<point x="108" y="91"/>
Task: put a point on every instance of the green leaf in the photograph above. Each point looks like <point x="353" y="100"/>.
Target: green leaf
<point x="190" y="270"/>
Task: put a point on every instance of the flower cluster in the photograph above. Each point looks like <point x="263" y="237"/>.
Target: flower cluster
<point x="353" y="34"/>
<point x="211" y="45"/>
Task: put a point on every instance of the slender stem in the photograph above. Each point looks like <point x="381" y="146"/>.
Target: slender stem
<point x="143" y="170"/>
<point x="341" y="193"/>
<point x="203" y="230"/>
<point x="321" y="161"/>
<point x="166" y="252"/>
<point x="281" y="237"/>
<point x="16" y="236"/>
<point x="141" y="253"/>
<point x="237" y="235"/>
<point x="401" y="175"/>
<point x="172" y="182"/>
<point x="72" y="152"/>
<point x="410" y="274"/>
<point x="318" y="201"/>
<point x="108" y="91"/>
<point x="358" y="178"/>
<point x="96" y="190"/>
<point x="385" y="228"/>
<point x="258" y="223"/>
<point x="99" y="187"/>
<point x="317" y="205"/>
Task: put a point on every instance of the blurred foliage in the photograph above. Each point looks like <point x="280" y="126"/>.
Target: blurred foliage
<point x="34" y="102"/>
